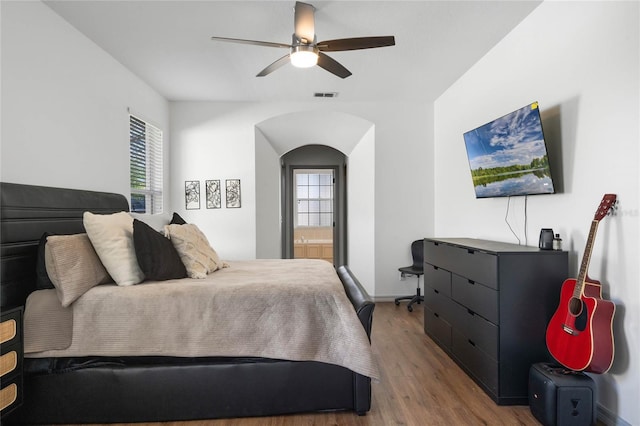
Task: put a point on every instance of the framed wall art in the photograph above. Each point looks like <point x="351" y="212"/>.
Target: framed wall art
<point x="233" y="193"/>
<point x="214" y="197"/>
<point x="192" y="194"/>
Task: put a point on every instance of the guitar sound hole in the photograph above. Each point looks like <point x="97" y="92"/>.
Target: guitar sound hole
<point x="575" y="306"/>
<point x="578" y="310"/>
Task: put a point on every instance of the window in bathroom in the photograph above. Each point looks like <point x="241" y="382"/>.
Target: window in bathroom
<point x="314" y="198"/>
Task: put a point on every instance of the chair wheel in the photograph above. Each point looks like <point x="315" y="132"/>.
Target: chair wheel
<point x="397" y="303"/>
<point x="409" y="308"/>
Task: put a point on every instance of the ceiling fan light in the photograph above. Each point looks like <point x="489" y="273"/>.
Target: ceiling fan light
<point x="304" y="56"/>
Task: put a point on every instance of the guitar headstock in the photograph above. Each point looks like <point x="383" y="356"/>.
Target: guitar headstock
<point x="608" y="202"/>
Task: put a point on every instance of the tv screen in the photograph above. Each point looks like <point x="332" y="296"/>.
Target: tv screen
<point x="508" y="156"/>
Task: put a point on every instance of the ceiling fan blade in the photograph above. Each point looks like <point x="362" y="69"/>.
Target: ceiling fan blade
<point x="304" y="23"/>
<point x="274" y="66"/>
<point x="333" y="66"/>
<point x="254" y="42"/>
<point x="356" y="43"/>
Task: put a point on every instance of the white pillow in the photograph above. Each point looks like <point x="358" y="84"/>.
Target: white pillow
<point x="112" y="238"/>
<point x="193" y="247"/>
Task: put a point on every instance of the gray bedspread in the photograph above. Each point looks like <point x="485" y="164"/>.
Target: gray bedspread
<point x="282" y="309"/>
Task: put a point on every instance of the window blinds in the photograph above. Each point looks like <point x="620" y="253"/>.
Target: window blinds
<point x="145" y="160"/>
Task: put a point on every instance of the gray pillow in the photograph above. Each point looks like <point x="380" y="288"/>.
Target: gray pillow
<point x="73" y="266"/>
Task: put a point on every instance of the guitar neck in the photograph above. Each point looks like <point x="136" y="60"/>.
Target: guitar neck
<point x="586" y="258"/>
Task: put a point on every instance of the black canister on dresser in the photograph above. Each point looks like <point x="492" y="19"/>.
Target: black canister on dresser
<point x="487" y="304"/>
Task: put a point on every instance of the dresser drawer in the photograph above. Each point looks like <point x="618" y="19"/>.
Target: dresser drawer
<point x="439" y="303"/>
<point x="438" y="279"/>
<point x="10" y="394"/>
<point x="10" y="327"/>
<point x="476" y="329"/>
<point x="10" y="361"/>
<point x="475" y="296"/>
<point x="480" y="365"/>
<point x="436" y="327"/>
<point x="473" y="264"/>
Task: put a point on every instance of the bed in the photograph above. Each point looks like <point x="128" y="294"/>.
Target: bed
<point x="178" y="381"/>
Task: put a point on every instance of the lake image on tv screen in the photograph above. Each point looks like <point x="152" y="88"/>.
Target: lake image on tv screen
<point x="508" y="156"/>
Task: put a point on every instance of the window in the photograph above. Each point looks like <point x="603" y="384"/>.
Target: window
<point x="145" y="162"/>
<point x="314" y="197"/>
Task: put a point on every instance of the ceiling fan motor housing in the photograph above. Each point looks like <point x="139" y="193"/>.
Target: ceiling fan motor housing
<point x="303" y="54"/>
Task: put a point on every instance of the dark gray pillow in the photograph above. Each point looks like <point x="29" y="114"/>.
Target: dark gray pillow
<point x="156" y="255"/>
<point x="177" y="220"/>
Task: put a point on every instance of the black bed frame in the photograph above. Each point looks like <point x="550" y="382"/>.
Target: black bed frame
<point x="159" y="388"/>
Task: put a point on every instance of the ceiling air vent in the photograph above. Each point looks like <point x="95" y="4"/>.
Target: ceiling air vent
<point x="325" y="95"/>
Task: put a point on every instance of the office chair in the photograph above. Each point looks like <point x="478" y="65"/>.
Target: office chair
<point x="415" y="270"/>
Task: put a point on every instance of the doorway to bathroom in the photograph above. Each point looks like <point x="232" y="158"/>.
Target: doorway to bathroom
<point x="313" y="214"/>
<point x="314" y="204"/>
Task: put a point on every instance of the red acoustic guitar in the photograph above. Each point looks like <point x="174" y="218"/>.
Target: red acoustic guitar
<point x="580" y="333"/>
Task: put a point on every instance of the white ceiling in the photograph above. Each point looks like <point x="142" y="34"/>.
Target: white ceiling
<point x="167" y="44"/>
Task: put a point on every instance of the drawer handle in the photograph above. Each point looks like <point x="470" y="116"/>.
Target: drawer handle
<point x="471" y="342"/>
<point x="470" y="251"/>
<point x="472" y="282"/>
<point x="436" y="291"/>
<point x="435" y="314"/>
<point x="470" y="312"/>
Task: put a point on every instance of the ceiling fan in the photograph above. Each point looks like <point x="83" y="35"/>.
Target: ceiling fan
<point x="305" y="51"/>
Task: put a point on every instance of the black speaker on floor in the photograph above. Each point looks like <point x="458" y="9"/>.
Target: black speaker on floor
<point x="561" y="397"/>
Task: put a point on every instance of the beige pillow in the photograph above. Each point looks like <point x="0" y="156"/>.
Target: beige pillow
<point x="112" y="238"/>
<point x="73" y="266"/>
<point x="193" y="247"/>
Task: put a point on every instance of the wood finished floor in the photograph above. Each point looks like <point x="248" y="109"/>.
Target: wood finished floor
<point x="420" y="385"/>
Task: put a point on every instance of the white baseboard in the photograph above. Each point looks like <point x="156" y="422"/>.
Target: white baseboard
<point x="609" y="418"/>
<point x="384" y="298"/>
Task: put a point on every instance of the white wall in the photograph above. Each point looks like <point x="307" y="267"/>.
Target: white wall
<point x="361" y="241"/>
<point x="64" y="105"/>
<point x="580" y="60"/>
<point x="404" y="193"/>
<point x="268" y="239"/>
<point x="214" y="141"/>
<point x="218" y="141"/>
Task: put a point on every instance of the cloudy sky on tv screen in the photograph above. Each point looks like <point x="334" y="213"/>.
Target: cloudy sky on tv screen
<point x="515" y="138"/>
<point x="508" y="156"/>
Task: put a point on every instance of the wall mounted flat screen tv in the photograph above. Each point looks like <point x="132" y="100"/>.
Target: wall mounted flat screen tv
<point x="508" y="156"/>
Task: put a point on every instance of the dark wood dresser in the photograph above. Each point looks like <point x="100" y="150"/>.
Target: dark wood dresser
<point x="487" y="304"/>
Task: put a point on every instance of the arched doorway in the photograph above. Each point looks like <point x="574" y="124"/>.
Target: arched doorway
<point x="314" y="204"/>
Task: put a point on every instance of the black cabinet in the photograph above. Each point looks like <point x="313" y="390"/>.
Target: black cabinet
<point x="487" y="304"/>
<point x="11" y="356"/>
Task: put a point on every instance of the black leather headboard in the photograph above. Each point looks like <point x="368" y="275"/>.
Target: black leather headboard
<point x="26" y="212"/>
